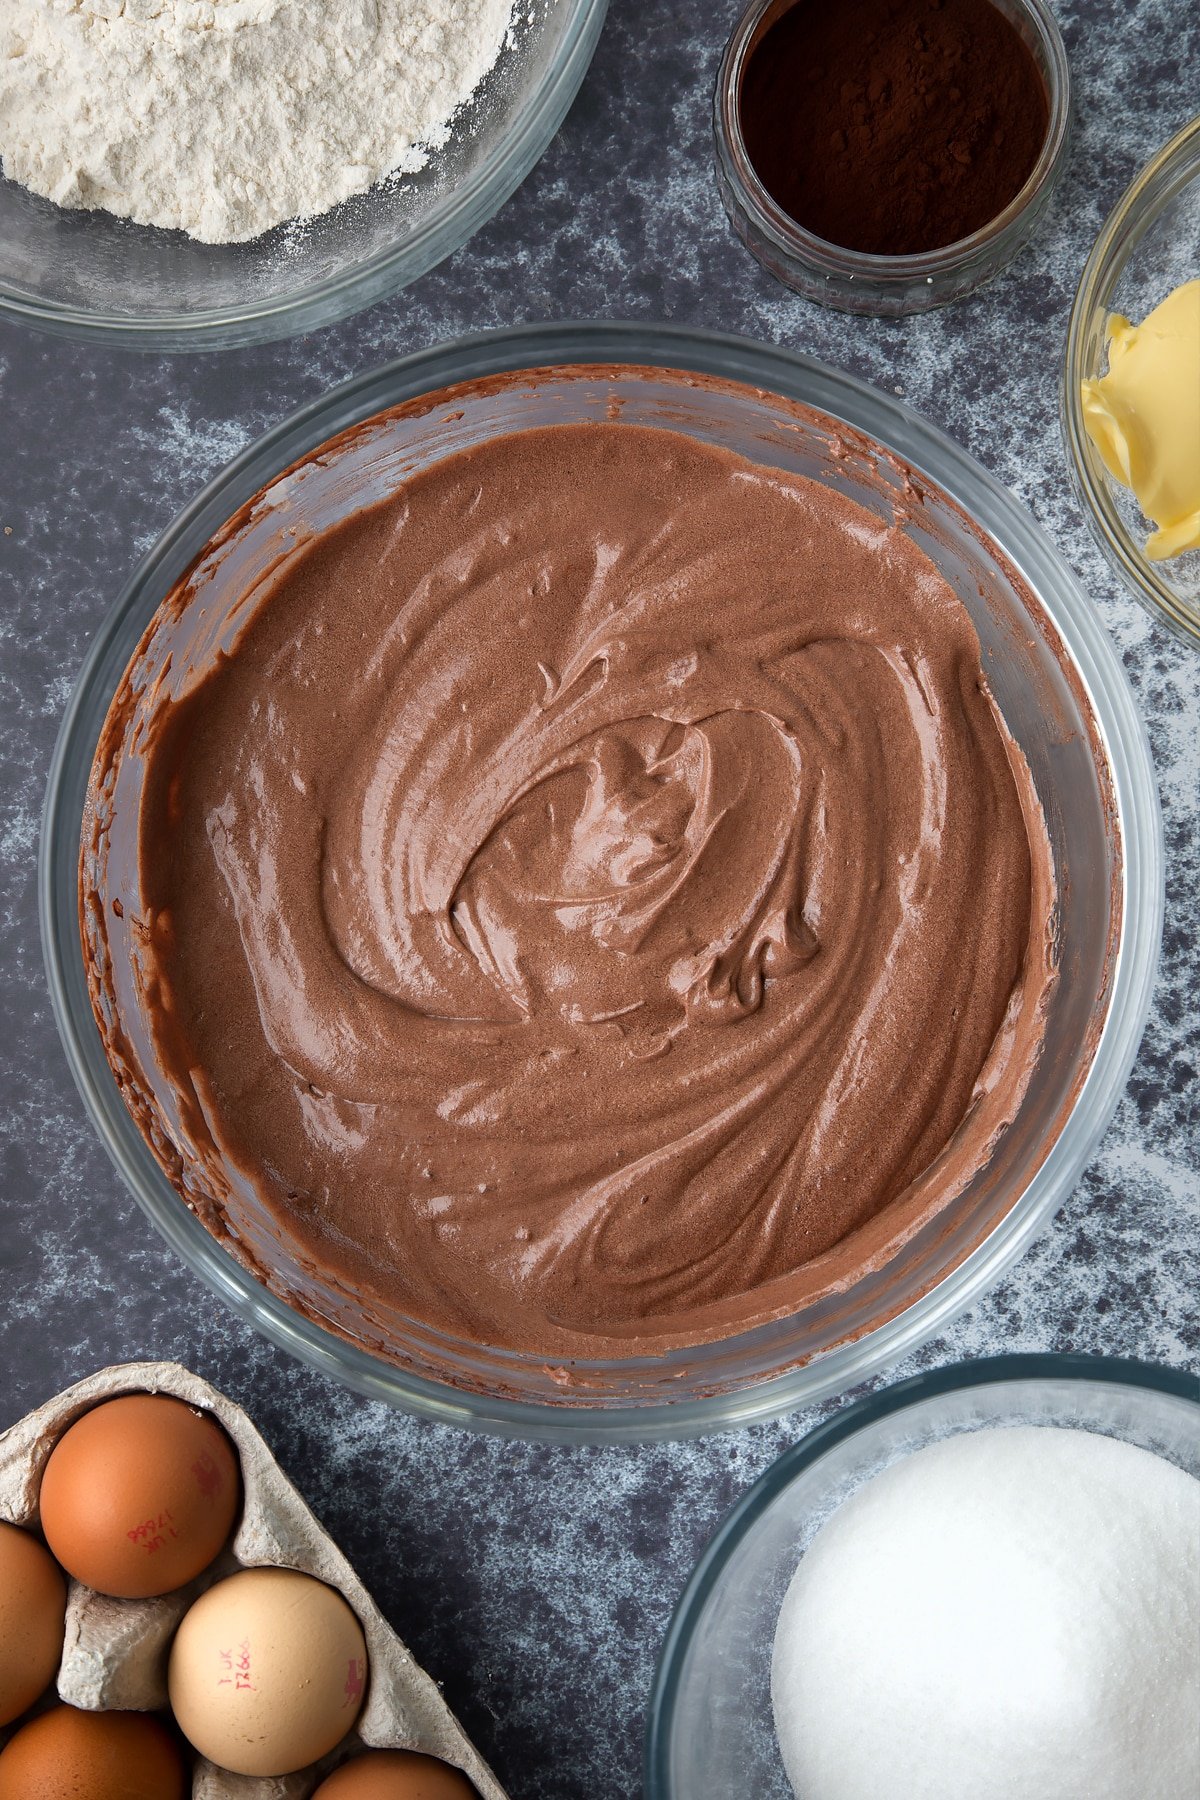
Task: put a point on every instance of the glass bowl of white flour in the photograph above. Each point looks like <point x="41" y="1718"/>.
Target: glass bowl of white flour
<point x="195" y="174"/>
<point x="724" y="1666"/>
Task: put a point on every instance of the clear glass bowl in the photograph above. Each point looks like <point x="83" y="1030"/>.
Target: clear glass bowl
<point x="90" y="275"/>
<point x="853" y="280"/>
<point x="710" y="1729"/>
<point x="1057" y="680"/>
<point x="1149" y="245"/>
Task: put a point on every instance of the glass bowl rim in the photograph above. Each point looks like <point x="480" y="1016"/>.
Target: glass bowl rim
<point x="790" y="374"/>
<point x="1136" y="572"/>
<point x="845" y="1423"/>
<point x="445" y="228"/>
<point x="866" y="267"/>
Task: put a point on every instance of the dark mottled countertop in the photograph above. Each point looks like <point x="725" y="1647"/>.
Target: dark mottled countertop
<point x="534" y="1582"/>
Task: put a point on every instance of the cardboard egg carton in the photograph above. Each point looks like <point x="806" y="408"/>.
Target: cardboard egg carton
<point x="115" y="1653"/>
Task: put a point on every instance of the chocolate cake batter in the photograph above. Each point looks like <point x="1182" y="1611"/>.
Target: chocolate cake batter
<point x="596" y="884"/>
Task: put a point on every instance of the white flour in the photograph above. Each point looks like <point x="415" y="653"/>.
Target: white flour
<point x="225" y="117"/>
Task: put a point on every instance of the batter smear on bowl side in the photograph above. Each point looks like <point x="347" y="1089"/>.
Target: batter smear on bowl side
<point x="592" y="902"/>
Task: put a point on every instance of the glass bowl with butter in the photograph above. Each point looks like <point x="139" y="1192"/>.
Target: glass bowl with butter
<point x="1131" y="387"/>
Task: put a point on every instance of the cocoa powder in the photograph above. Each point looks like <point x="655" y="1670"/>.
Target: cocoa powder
<point x="893" y="126"/>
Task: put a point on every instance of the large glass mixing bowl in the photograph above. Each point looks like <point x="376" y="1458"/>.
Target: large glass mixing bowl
<point x="1054" y="674"/>
<point x="710" y="1728"/>
<point x="91" y="275"/>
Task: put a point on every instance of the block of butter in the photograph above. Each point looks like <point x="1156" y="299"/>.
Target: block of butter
<point x="1144" y="417"/>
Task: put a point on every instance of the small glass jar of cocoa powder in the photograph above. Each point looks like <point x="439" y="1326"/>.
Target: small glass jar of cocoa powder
<point x="968" y="128"/>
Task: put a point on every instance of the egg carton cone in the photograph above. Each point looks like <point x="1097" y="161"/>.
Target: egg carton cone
<point x="115" y="1653"/>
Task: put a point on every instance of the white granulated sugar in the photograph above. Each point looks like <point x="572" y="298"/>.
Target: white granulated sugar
<point x="225" y="117"/>
<point x="1004" y="1615"/>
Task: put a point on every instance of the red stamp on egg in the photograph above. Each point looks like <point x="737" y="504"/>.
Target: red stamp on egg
<point x="236" y="1664"/>
<point x="152" y="1534"/>
<point x="208" y="1476"/>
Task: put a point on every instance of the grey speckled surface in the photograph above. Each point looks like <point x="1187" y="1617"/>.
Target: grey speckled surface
<point x="536" y="1583"/>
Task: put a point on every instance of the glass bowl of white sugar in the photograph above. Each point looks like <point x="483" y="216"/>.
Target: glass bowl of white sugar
<point x="711" y="1728"/>
<point x="289" y="165"/>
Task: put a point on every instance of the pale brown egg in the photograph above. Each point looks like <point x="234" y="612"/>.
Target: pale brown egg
<point x="268" y="1671"/>
<point x="71" y="1755"/>
<point x="33" y="1600"/>
<point x="395" y="1775"/>
<point x="139" y="1495"/>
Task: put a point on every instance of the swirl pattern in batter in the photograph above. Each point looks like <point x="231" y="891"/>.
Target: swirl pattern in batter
<point x="596" y="886"/>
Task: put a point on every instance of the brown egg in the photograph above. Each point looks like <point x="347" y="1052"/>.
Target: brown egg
<point x="395" y="1775"/>
<point x="268" y="1671"/>
<point x="139" y="1495"/>
<point x="33" y="1599"/>
<point x="70" y="1755"/>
